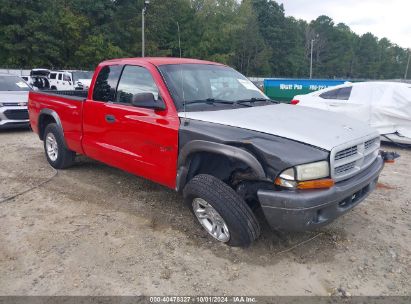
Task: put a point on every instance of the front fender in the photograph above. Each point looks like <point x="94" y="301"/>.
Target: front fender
<point x="212" y="147"/>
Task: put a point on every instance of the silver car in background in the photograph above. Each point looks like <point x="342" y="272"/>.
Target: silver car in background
<point x="14" y="92"/>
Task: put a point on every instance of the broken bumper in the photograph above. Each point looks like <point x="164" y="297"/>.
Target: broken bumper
<point x="308" y="209"/>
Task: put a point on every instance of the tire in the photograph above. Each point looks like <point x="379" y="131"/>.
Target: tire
<point x="63" y="158"/>
<point x="243" y="227"/>
<point x="53" y="88"/>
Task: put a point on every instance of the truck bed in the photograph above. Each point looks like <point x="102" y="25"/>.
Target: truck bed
<point x="82" y="94"/>
<point x="67" y="107"/>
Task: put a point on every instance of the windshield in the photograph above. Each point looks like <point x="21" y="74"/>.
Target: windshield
<point x="201" y="82"/>
<point x="13" y="83"/>
<point x="82" y="75"/>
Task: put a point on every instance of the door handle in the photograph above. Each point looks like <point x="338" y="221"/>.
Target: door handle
<point x="110" y="118"/>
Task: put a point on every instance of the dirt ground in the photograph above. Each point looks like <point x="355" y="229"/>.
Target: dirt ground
<point x="95" y="230"/>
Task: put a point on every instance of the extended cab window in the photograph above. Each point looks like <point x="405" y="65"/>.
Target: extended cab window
<point x="340" y="94"/>
<point x="106" y="83"/>
<point x="135" y="80"/>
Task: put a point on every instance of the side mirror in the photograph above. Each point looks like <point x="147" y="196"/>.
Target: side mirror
<point x="147" y="100"/>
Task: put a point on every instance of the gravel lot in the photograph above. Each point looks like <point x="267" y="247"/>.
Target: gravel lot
<point x="95" y="230"/>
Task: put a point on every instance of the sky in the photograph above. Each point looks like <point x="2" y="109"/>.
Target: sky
<point x="383" y="18"/>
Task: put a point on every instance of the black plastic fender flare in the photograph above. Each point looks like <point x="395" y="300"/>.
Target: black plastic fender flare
<point x="52" y="113"/>
<point x="217" y="148"/>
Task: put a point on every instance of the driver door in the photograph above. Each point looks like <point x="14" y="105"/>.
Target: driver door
<point x="140" y="140"/>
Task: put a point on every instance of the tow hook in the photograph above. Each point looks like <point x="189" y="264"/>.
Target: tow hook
<point x="389" y="157"/>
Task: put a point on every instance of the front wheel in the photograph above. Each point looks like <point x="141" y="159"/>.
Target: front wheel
<point x="58" y="156"/>
<point x="221" y="211"/>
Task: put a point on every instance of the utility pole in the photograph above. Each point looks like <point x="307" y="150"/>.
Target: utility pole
<point x="311" y="59"/>
<point x="143" y="42"/>
<point x="408" y="63"/>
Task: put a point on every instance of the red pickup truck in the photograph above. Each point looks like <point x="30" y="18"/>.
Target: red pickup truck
<point x="205" y="130"/>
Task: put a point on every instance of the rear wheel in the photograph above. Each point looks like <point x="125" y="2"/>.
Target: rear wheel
<point x="58" y="156"/>
<point x="221" y="211"/>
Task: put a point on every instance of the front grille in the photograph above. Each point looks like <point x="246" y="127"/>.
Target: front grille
<point x="17" y="114"/>
<point x="344" y="168"/>
<point x="349" y="159"/>
<point x="369" y="143"/>
<point x="346" y="153"/>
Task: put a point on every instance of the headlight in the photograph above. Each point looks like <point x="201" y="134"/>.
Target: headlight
<point x="313" y="171"/>
<point x="307" y="176"/>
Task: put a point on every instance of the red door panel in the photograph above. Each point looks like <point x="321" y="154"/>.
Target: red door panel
<point x="96" y="131"/>
<point x="138" y="140"/>
<point x="144" y="142"/>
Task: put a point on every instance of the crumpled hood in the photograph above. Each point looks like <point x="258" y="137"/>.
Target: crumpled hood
<point x="13" y="97"/>
<point x="315" y="127"/>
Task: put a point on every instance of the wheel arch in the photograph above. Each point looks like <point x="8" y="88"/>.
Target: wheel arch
<point x="46" y="117"/>
<point x="198" y="153"/>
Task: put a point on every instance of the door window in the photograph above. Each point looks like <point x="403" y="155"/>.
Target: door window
<point x="344" y="93"/>
<point x="135" y="80"/>
<point x="66" y="77"/>
<point x="59" y="76"/>
<point x="106" y="83"/>
<point x="340" y="94"/>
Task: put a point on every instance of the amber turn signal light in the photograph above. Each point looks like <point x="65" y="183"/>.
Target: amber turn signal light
<point x="316" y="184"/>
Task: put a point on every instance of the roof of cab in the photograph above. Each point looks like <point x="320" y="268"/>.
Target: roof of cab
<point x="157" y="61"/>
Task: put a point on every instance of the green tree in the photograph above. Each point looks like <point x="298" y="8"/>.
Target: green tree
<point x="366" y="57"/>
<point x="250" y="53"/>
<point x="95" y="49"/>
<point x="252" y="35"/>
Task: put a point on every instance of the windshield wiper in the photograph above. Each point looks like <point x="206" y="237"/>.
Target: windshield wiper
<point x="253" y="100"/>
<point x="210" y="101"/>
